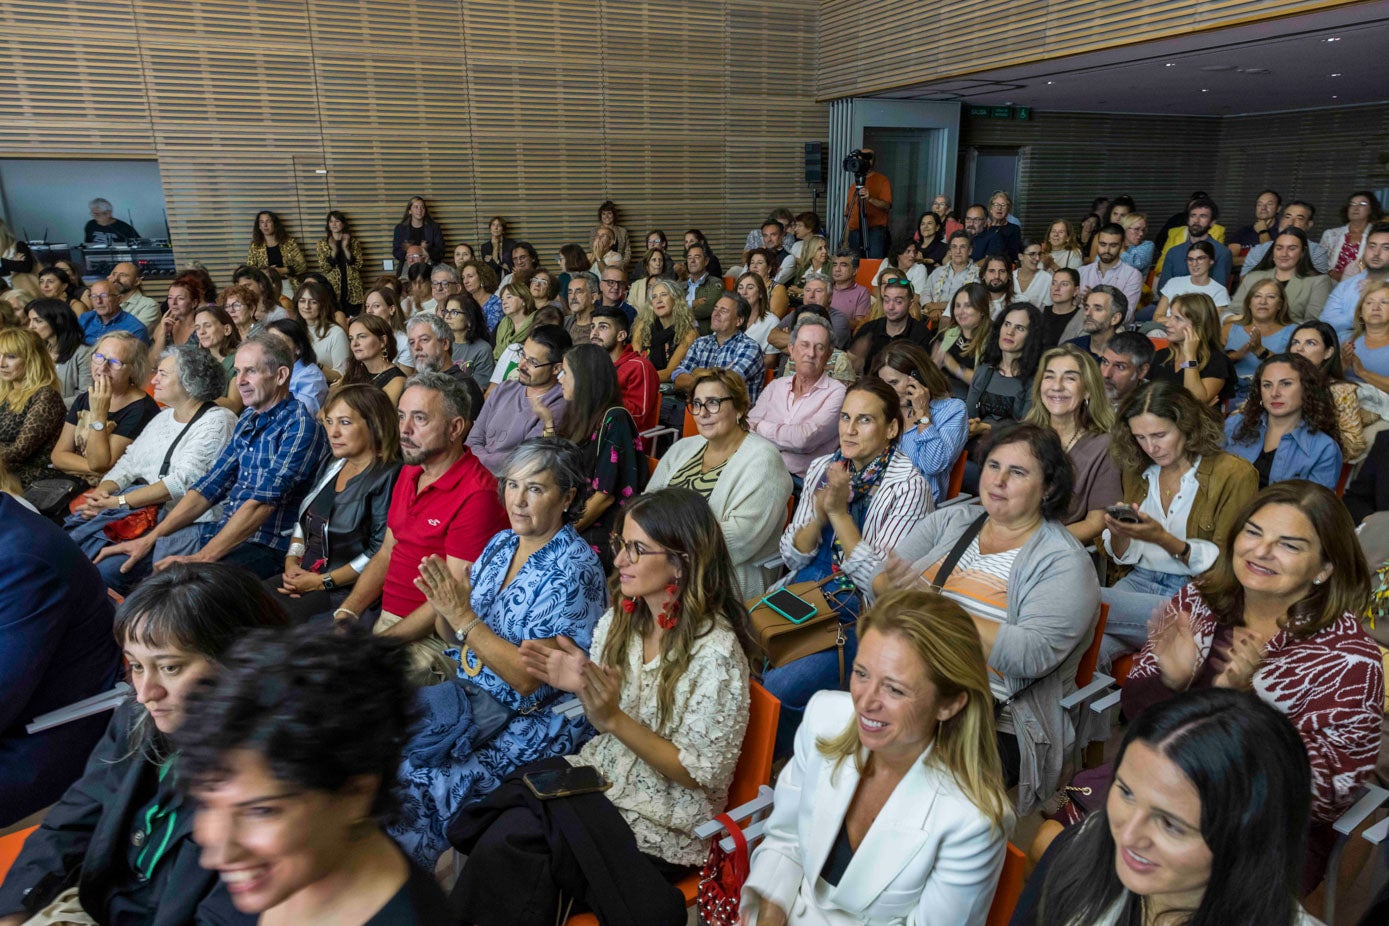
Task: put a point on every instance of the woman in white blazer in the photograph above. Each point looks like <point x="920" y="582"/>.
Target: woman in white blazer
<point x="740" y="475"/>
<point x="892" y="810"/>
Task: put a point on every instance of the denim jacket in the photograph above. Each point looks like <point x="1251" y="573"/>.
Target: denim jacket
<point x="1301" y="454"/>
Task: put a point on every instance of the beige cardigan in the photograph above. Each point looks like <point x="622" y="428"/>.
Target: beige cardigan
<point x="749" y="501"/>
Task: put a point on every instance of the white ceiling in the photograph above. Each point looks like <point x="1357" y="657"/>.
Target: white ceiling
<point x="1331" y="58"/>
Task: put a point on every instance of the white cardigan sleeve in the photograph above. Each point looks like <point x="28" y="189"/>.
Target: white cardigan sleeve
<point x="755" y="499"/>
<point x="194" y="455"/>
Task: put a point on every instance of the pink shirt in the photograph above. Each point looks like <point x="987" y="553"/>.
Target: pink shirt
<point x="801" y="427"/>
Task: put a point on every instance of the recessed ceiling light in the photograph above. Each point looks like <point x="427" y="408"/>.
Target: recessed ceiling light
<point x="1337" y="74"/>
<point x="1334" y="97"/>
<point x="1334" y="38"/>
<point x="1049" y="83"/>
<point x="1205" y="90"/>
<point x="1170" y="64"/>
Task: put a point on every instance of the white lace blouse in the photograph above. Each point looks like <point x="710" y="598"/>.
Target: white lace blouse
<point x="708" y="717"/>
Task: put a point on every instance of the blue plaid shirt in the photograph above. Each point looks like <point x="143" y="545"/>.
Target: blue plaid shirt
<point x="272" y="458"/>
<point x="740" y="353"/>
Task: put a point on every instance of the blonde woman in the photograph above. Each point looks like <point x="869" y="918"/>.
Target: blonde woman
<point x="1061" y="247"/>
<point x="1068" y="397"/>
<point x="815" y="258"/>
<point x="1195" y="357"/>
<point x="665" y="330"/>
<point x="893" y="808"/>
<point x="31" y="408"/>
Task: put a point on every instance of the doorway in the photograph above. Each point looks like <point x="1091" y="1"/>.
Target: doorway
<point x="911" y="160"/>
<point x="988" y="170"/>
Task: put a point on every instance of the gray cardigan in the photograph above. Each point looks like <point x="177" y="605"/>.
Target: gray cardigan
<point x="1053" y="601"/>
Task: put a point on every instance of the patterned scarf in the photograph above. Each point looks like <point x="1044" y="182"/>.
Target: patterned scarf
<point x="861" y="484"/>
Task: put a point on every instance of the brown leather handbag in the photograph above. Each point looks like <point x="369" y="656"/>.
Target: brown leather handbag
<point x="783" y="641"/>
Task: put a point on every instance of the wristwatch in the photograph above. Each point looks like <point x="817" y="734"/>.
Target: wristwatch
<point x="1188" y="364"/>
<point x="97" y="425"/>
<point x="328" y="583"/>
<point x="120" y="500"/>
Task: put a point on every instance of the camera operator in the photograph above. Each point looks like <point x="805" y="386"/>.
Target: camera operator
<point x="873" y="192"/>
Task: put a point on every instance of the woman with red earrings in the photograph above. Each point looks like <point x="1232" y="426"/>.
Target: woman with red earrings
<point x="666" y="687"/>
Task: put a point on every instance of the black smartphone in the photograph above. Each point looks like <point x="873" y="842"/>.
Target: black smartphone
<point x="1123" y="513"/>
<point x="564" y="782"/>
<point x="790" y="606"/>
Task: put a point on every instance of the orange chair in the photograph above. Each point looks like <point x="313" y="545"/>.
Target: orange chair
<point x="768" y="376"/>
<point x="1010" y="881"/>
<point x="1159" y="343"/>
<point x="690" y="429"/>
<point x="1345" y="478"/>
<point x="9" y="849"/>
<point x="729" y="283"/>
<point x="651" y="464"/>
<point x="1121" y="668"/>
<point x="754" y="770"/>
<point x="957" y="477"/>
<point x="1086" y="670"/>
<point x="867" y="270"/>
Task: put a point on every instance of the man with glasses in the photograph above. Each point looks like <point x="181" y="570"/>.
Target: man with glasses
<point x="726" y="348"/>
<point x="443" y="282"/>
<point x="523" y="257"/>
<point x="107" y="315"/>
<point x="509" y="416"/>
<point x="1109" y="269"/>
<point x="613" y="287"/>
<point x="637" y="377"/>
<point x="104" y="228"/>
<point x="800" y="413"/>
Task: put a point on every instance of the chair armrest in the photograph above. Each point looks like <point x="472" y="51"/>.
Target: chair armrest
<point x="1098" y="684"/>
<point x="763" y="801"/>
<point x="87" y="707"/>
<point x="650" y="434"/>
<point x="1377" y="833"/>
<point x="1105" y="703"/>
<point x="1370" y="800"/>
<point x="957" y="500"/>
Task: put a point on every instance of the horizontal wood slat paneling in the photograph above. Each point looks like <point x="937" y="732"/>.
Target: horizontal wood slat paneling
<point x="873" y="46"/>
<point x="688" y="114"/>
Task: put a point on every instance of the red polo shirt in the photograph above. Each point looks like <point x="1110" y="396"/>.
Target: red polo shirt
<point x="641" y="387"/>
<point x="454" y="516"/>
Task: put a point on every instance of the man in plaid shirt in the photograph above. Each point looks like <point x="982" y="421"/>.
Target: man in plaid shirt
<point x="262" y="475"/>
<point x="727" y="348"/>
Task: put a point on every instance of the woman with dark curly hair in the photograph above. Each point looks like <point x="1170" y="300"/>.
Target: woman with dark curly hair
<point x="339" y="254"/>
<point x="1318" y="342"/>
<point x="1001" y="389"/>
<point x="1184" y="492"/>
<point x="1287" y="427"/>
<point x="118" y="847"/>
<point x="292" y="790"/>
<point x="536" y="580"/>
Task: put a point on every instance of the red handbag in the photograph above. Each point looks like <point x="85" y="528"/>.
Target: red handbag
<point x="722" y="878"/>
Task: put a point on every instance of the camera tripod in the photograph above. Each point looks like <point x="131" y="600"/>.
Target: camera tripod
<point x="859" y="200"/>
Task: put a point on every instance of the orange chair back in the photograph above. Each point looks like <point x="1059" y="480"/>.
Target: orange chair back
<point x="768" y="376"/>
<point x="1159" y="343"/>
<point x="754" y="769"/>
<point x="729" y="283"/>
<point x="690" y="429"/>
<point x="957" y="477"/>
<point x="9" y="849"/>
<point x="1121" y="668"/>
<point x="1086" y="670"/>
<point x="1345" y="478"/>
<point x="867" y="270"/>
<point x="651" y="464"/>
<point x="1010" y="881"/>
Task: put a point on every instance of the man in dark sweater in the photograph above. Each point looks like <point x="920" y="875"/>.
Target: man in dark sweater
<point x="895" y="324"/>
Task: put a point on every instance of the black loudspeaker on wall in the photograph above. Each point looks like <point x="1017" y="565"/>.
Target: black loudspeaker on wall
<point x="816" y="162"/>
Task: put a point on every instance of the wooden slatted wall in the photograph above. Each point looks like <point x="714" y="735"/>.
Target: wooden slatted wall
<point x="869" y="46"/>
<point x="688" y="114"/>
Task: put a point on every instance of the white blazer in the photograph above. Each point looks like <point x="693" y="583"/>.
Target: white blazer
<point x="930" y="857"/>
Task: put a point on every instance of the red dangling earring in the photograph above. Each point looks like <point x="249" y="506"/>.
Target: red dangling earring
<point x="628" y="605"/>
<point x="668" y="617"/>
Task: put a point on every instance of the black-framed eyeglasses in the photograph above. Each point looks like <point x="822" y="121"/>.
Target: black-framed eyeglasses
<point x="453" y="313"/>
<point x="536" y="364"/>
<point x="635" y="549"/>
<point x="711" y="405"/>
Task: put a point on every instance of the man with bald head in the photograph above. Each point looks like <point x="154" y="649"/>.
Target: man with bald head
<point x="125" y="276"/>
<point x="107" y="315"/>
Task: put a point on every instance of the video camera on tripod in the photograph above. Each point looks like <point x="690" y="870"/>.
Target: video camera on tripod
<point x="859" y="163"/>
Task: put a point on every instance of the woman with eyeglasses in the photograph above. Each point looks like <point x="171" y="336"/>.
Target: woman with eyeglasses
<point x="740" y="474"/>
<point x="241" y="303"/>
<point x="1200" y="260"/>
<point x="472" y="344"/>
<point x="1346" y="243"/>
<point x="857" y="504"/>
<point x="537" y="580"/>
<point x="105" y="419"/>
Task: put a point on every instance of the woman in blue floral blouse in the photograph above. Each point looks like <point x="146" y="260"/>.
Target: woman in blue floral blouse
<point x="537" y="581"/>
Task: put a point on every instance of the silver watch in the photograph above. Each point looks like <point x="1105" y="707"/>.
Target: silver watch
<point x="97" y="425"/>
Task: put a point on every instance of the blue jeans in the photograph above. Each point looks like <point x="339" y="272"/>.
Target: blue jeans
<point x="796" y="682"/>
<point x="1133" y="602"/>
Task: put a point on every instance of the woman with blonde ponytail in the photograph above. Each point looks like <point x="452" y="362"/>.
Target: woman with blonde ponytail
<point x="896" y="785"/>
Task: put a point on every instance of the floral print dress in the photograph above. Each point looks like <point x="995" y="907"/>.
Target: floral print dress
<point x="559" y="590"/>
<point x="618" y="470"/>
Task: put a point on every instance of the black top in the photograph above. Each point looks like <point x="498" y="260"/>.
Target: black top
<point x="934" y="253"/>
<point x="391" y="372"/>
<point x="128" y="422"/>
<point x="1053" y="325"/>
<point x="419" y="902"/>
<point x="1263" y="465"/>
<point x="1218" y="367"/>
<point x="841" y="854"/>
<point x="876" y="332"/>
<point x="93" y="233"/>
<point x="662" y="345"/>
<point x="273" y="256"/>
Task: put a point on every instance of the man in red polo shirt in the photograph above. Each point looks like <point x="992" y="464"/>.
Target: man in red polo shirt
<point x="445" y="502"/>
<point x="641" y="385"/>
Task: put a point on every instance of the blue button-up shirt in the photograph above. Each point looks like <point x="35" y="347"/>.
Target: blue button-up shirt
<point x="94" y="329"/>
<point x="740" y="353"/>
<point x="272" y="459"/>
<point x="1301" y="453"/>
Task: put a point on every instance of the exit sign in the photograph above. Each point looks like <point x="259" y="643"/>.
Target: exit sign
<point x="1018" y="113"/>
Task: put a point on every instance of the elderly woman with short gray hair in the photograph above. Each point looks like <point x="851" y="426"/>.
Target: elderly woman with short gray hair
<point x="537" y="580"/>
<point x="173" y="451"/>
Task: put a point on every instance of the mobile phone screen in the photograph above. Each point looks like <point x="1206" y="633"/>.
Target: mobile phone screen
<point x="575" y="779"/>
<point x="791" y="606"/>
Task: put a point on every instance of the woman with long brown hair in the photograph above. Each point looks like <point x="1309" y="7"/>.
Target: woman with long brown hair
<point x="1287" y="427"/>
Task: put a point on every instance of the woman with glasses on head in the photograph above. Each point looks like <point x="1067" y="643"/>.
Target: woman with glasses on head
<point x="537" y="580"/>
<point x="472" y="344"/>
<point x="329" y="339"/>
<point x="339" y="255"/>
<point x="740" y="474"/>
<point x="1263" y="329"/>
<point x="1346" y="243"/>
<point x="54" y="323"/>
<point x="104" y="420"/>
<point x="665" y="684"/>
<point x="31" y="408"/>
<point x="596" y="421"/>
<point x="1317" y="341"/>
<point x="1200" y="260"/>
<point x="1288" y="261"/>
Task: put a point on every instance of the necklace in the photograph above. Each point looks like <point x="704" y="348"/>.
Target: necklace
<point x="1075" y="438"/>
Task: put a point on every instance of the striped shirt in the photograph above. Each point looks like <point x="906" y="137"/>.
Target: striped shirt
<point x="979" y="584"/>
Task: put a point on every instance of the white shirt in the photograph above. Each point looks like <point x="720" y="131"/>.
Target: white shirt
<point x="1180" y="286"/>
<point x="1039" y="293"/>
<point x="916" y="277"/>
<point x="1150" y="555"/>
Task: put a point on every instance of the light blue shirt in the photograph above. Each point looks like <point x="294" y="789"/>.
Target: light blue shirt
<point x="308" y="384"/>
<point x="1301" y="453"/>
<point x="933" y="449"/>
<point x="1339" y="310"/>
